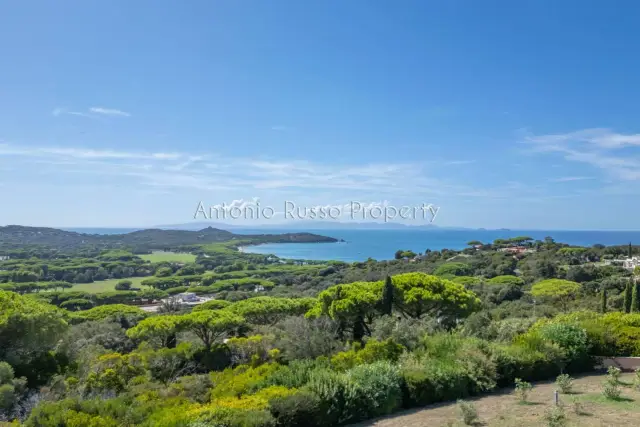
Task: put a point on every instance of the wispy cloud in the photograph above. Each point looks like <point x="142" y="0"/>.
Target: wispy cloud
<point x="81" y="153"/>
<point x="614" y="153"/>
<point x="109" y="111"/>
<point x="598" y="137"/>
<point x="91" y="113"/>
<point x="173" y="170"/>
<point x="62" y="111"/>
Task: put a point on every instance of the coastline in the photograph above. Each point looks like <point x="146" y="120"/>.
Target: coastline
<point x="382" y="244"/>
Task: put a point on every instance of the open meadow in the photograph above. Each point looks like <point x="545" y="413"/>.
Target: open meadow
<point x="160" y="256"/>
<point x="108" y="285"/>
<point x="585" y="407"/>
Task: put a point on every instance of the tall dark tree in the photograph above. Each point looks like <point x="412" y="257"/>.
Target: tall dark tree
<point x="635" y="302"/>
<point x="630" y="250"/>
<point x="627" y="297"/>
<point x="387" y="296"/>
<point x="603" y="301"/>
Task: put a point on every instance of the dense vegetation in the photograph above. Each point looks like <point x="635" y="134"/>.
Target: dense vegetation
<point x="299" y="344"/>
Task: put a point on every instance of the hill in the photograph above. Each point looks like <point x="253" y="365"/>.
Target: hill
<point x="16" y="236"/>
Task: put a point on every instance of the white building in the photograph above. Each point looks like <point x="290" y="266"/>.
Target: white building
<point x="187" y="297"/>
<point x="631" y="263"/>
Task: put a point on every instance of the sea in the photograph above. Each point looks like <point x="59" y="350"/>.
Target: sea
<point x="361" y="244"/>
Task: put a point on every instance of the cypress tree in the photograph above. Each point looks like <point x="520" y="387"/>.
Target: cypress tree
<point x="630" y="251"/>
<point x="387" y="297"/>
<point x="603" y="301"/>
<point x="627" y="297"/>
<point x="635" y="303"/>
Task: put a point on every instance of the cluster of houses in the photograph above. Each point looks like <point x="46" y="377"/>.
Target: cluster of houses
<point x="275" y="260"/>
<point x="517" y="250"/>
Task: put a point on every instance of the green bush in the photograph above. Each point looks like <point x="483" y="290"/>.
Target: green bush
<point x="303" y="409"/>
<point x="564" y="383"/>
<point x="373" y="351"/>
<point x="555" y="417"/>
<point x="573" y="340"/>
<point x="371" y="391"/>
<point x="296" y="374"/>
<point x="522" y="389"/>
<point x="6" y="373"/>
<point x="233" y="417"/>
<point x="77" y="304"/>
<point x="468" y="412"/>
<point x="329" y="386"/>
<point x="7" y="397"/>
<point x="517" y="361"/>
<point x="433" y="380"/>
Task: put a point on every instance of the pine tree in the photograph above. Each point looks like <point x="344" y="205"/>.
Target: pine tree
<point x="635" y="302"/>
<point x="627" y="297"/>
<point x="603" y="301"/>
<point x="387" y="296"/>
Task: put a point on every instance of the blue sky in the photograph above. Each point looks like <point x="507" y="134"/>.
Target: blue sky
<point x="503" y="114"/>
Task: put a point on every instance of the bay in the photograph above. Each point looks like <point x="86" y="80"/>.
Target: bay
<point x="382" y="244"/>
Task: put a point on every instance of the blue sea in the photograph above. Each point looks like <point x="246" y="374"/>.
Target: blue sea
<point x="382" y="244"/>
<point x="378" y="244"/>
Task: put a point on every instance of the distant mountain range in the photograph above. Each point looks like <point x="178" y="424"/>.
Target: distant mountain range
<point x="309" y="225"/>
<point x="17" y="236"/>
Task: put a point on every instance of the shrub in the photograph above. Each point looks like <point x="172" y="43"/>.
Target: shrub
<point x="518" y="361"/>
<point x="296" y="374"/>
<point x="523" y="389"/>
<point x="468" y="412"/>
<point x="371" y="391"/>
<point x="433" y="380"/>
<point x="216" y="416"/>
<point x="611" y="390"/>
<point x="307" y="338"/>
<point x="123" y="285"/>
<point x="406" y="332"/>
<point x="329" y="386"/>
<point x="564" y="383"/>
<point x="77" y="304"/>
<point x="241" y="380"/>
<point x="373" y="351"/>
<point x="555" y="417"/>
<point x="301" y="409"/>
<point x="253" y="350"/>
<point x="573" y="340"/>
<point x="6" y="373"/>
<point x="611" y="385"/>
<point x="636" y="379"/>
<point x="259" y="400"/>
<point x="7" y="397"/>
<point x="613" y="374"/>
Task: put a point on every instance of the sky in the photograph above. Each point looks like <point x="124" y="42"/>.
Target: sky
<point x="501" y="114"/>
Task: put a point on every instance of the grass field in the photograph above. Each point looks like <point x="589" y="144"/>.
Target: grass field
<point x="502" y="409"/>
<point x="169" y="256"/>
<point x="107" y="285"/>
